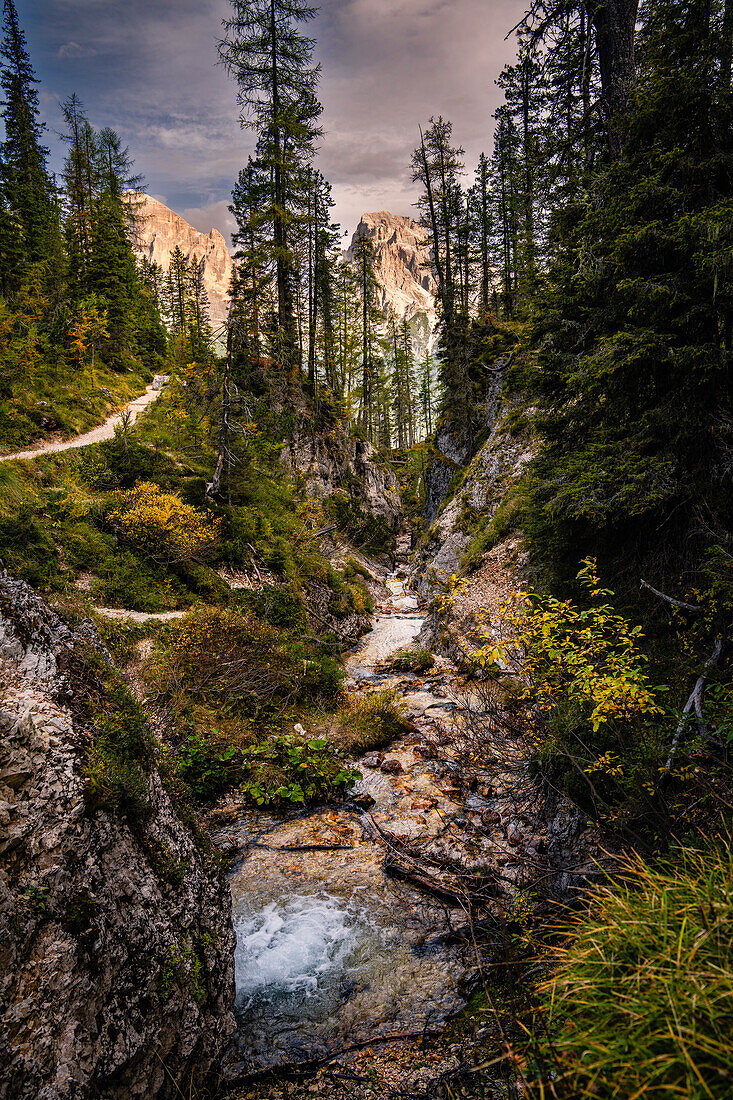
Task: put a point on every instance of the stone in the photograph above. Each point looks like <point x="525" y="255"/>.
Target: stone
<point x="372" y="760"/>
<point x="109" y="922"/>
<point x="363" y="800"/>
<point x="391" y="765"/>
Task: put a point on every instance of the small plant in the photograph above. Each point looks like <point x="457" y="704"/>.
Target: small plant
<point x="290" y="768"/>
<point x="413" y="659"/>
<point x="207" y="766"/>
<point x="369" y="721"/>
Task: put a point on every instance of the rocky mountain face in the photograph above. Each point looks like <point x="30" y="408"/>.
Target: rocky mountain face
<point x="160" y="229"/>
<point x="116" y="942"/>
<point x="402" y="267"/>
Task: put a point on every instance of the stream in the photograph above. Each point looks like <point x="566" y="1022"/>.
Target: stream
<point x="331" y="952"/>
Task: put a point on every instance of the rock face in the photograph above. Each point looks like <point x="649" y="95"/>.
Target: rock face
<point x="340" y="461"/>
<point x="483" y="485"/>
<point x="116" y="943"/>
<point x="161" y="229"/>
<point x="403" y="270"/>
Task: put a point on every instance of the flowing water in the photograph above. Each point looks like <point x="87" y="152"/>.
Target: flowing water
<point x="332" y="953"/>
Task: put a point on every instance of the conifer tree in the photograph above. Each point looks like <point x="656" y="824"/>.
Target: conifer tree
<point x="272" y="63"/>
<point x="29" y="231"/>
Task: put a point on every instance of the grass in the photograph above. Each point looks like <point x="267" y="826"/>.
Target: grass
<point x="411" y="659"/>
<point x="63" y="401"/>
<point x="642" y="1001"/>
<point x="371" y="721"/>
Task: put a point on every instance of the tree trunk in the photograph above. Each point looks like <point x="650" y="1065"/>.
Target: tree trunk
<point x="614" y="22"/>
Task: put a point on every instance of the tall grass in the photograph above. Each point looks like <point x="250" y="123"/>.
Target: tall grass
<point x="642" y="1002"/>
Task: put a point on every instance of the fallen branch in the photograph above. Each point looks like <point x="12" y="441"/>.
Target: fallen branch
<point x="670" y="599"/>
<point x="306" y="847"/>
<point x="694" y="703"/>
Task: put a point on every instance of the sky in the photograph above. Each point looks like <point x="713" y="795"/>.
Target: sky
<point x="148" y="69"/>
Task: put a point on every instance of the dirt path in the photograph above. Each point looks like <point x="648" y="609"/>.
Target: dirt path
<point x="96" y="435"/>
<point x="122" y="614"/>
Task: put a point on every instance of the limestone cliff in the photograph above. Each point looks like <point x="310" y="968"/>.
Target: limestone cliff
<point x="159" y="230"/>
<point x="116" y="943"/>
<point x="402" y="267"/>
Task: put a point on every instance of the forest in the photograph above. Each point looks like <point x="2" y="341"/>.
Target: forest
<point x="439" y="620"/>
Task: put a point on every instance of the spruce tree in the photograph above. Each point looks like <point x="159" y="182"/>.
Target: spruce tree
<point x="272" y="63"/>
<point x="29" y="231"/>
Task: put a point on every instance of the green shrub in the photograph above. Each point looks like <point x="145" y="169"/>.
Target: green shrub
<point x="370" y="721"/>
<point x="208" y="765"/>
<point x="642" y="1003"/>
<point x="413" y="659"/>
<point x="290" y="768"/>
<point x="365" y="530"/>
<point x="126" y="581"/>
<point x="27" y="550"/>
<point x="120" y="752"/>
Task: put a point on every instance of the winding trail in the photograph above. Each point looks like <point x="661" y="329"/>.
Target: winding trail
<point x="96" y="435"/>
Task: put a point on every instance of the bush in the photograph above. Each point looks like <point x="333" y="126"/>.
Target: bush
<point x="161" y="525"/>
<point x="413" y="659"/>
<point x="365" y="530"/>
<point x="296" y="769"/>
<point x="207" y="764"/>
<point x="26" y="550"/>
<point x="370" y="721"/>
<point x="235" y="661"/>
<point x="642" y="1004"/>
<point x="126" y="581"/>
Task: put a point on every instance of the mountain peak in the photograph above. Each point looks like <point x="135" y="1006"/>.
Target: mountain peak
<point x="159" y="229"/>
<point x="402" y="267"/>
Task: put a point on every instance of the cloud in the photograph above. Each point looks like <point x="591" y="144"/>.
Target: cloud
<point x="73" y="49"/>
<point x="150" y="71"/>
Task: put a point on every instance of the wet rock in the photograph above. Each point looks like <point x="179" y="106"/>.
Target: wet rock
<point x="427" y="751"/>
<point x="490" y="817"/>
<point x="391" y="765"/>
<point x="372" y="760"/>
<point x="423" y="803"/>
<point x="364" y="800"/>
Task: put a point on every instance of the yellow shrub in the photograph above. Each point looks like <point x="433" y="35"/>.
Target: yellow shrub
<point x="162" y="525"/>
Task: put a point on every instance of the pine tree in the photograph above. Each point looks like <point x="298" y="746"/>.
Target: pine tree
<point x="635" y="337"/>
<point x="29" y="232"/>
<point x="272" y="63"/>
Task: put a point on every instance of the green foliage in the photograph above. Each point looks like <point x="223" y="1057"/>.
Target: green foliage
<point x="290" y="768"/>
<point x="121" y="749"/>
<point x="369" y="721"/>
<point x="642" y="1001"/>
<point x="412" y="659"/>
<point x="365" y="530"/>
<point x="207" y="764"/>
<point x="633" y="363"/>
<point x="26" y="548"/>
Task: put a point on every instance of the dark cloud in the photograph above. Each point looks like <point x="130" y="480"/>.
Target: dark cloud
<point x="148" y="68"/>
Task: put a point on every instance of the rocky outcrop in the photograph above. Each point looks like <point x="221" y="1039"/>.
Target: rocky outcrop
<point x="476" y="493"/>
<point x="340" y="461"/>
<point x="158" y="230"/>
<point x="403" y="270"/>
<point x="116" y="944"/>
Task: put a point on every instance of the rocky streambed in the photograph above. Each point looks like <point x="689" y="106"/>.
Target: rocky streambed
<point x="334" y="952"/>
